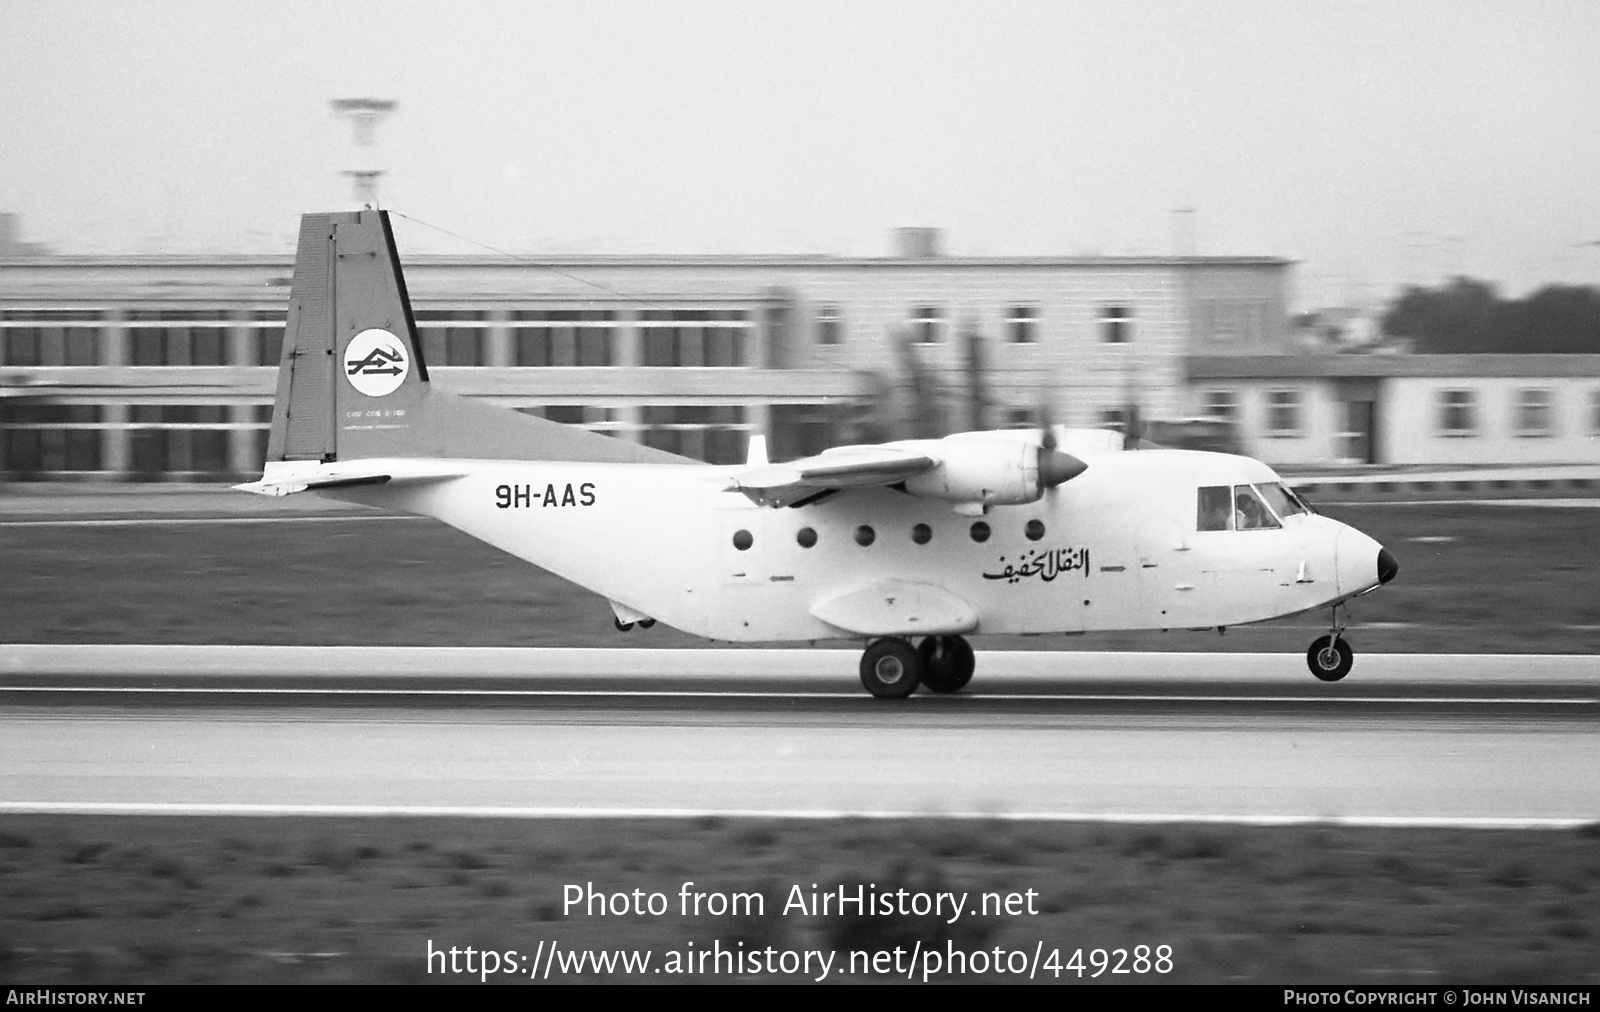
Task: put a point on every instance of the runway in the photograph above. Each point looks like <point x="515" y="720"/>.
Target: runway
<point x="1406" y="739"/>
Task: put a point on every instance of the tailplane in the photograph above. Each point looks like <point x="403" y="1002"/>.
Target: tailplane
<point x="352" y="382"/>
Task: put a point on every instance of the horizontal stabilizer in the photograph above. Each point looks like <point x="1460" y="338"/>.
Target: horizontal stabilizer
<point x="288" y="477"/>
<point x="898" y="608"/>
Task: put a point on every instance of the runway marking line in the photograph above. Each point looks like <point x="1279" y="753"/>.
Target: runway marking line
<point x="468" y="811"/>
<point x="135" y="521"/>
<point x="707" y="694"/>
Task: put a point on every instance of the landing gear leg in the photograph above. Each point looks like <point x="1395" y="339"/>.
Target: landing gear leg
<point x="947" y="663"/>
<point x="891" y="668"/>
<point x="1330" y="656"/>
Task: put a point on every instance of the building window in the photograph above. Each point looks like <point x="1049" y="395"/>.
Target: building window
<point x="452" y="336"/>
<point x="1458" y="413"/>
<point x="49" y="337"/>
<point x="1022" y="324"/>
<point x="179" y="438"/>
<point x="714" y="434"/>
<point x="1283" y="413"/>
<point x="1535" y="413"/>
<point x="21" y="346"/>
<point x="563" y="337"/>
<point x="269" y="341"/>
<point x="49" y="438"/>
<point x="563" y="414"/>
<point x="1220" y="404"/>
<point x="1116" y="324"/>
<point x="178" y="337"/>
<point x="830" y="325"/>
<point x="713" y="338"/>
<point x="927" y="325"/>
<point x="78" y="346"/>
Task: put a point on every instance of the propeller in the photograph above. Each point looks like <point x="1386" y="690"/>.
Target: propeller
<point x="1055" y="466"/>
<point x="1132" y="426"/>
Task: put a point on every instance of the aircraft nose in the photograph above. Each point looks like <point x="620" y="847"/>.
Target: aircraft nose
<point x="1360" y="561"/>
<point x="1388" y="566"/>
<point x="1056" y="467"/>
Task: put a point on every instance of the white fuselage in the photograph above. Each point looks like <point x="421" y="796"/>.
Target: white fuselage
<point x="1114" y="548"/>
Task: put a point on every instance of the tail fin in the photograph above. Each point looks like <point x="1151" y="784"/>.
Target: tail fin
<point x="352" y="382"/>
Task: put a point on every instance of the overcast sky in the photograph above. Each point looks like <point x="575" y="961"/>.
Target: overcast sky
<point x="1377" y="143"/>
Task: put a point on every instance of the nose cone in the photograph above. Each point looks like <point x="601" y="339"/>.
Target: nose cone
<point x="1388" y="566"/>
<point x="1056" y="467"/>
<point x="1359" y="561"/>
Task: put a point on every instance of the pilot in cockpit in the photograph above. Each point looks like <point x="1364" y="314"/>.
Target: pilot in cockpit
<point x="1249" y="514"/>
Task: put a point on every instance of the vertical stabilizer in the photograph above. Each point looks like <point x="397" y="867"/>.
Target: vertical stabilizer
<point x="352" y="382"/>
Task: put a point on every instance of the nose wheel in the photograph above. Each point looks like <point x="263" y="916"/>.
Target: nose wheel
<point x="1330" y="659"/>
<point x="1330" y="656"/>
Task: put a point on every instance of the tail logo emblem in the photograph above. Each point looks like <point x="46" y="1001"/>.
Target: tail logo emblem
<point x="375" y="362"/>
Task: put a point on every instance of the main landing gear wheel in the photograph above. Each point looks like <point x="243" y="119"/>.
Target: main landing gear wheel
<point x="891" y="668"/>
<point x="947" y="663"/>
<point x="1330" y="658"/>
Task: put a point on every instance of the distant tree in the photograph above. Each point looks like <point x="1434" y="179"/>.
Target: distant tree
<point x="1561" y="318"/>
<point x="1468" y="316"/>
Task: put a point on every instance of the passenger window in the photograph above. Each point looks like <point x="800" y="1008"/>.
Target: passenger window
<point x="1249" y="512"/>
<point x="742" y="540"/>
<point x="1216" y="509"/>
<point x="922" y="534"/>
<point x="1035" y="530"/>
<point x="865" y="535"/>
<point x="980" y="532"/>
<point x="806" y="537"/>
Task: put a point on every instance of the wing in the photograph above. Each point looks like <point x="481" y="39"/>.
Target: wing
<point x="842" y="467"/>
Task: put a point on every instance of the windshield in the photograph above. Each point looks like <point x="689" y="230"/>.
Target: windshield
<point x="1248" y="512"/>
<point x="1282" y="499"/>
<point x="1236" y="508"/>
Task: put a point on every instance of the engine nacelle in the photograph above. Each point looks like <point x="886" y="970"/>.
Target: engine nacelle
<point x="992" y="472"/>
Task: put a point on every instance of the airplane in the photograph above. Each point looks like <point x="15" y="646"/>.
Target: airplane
<point x="908" y="546"/>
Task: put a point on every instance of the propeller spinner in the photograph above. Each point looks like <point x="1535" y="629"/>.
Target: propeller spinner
<point x="1055" y="466"/>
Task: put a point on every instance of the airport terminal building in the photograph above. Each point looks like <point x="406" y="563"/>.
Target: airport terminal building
<point x="164" y="368"/>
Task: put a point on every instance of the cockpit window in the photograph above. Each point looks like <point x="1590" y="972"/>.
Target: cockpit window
<point x="1282" y="499"/>
<point x="1249" y="512"/>
<point x="1216" y="509"/>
